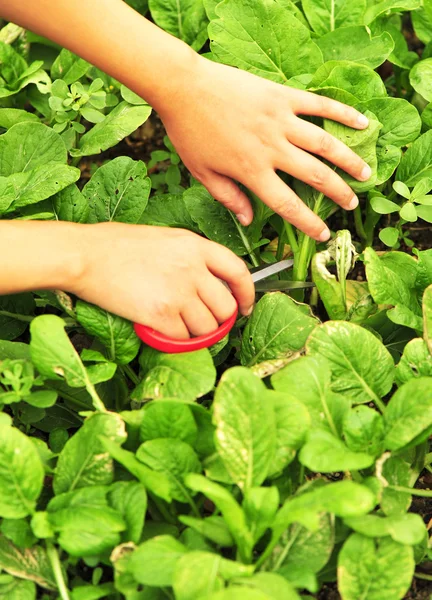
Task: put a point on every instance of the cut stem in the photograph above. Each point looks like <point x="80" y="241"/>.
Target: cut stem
<point x="57" y="570"/>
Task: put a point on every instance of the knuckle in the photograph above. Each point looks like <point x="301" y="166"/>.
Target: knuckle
<point x="325" y="144"/>
<point x="164" y="308"/>
<point x="318" y="178"/>
<point x="288" y="208"/>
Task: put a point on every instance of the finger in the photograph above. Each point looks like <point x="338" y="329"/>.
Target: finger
<point x="314" y="139"/>
<point x="307" y="103"/>
<point x="198" y="319"/>
<point x="230" y="268"/>
<point x="318" y="175"/>
<point x="217" y="298"/>
<point x="280" y="198"/>
<point x="225" y="191"/>
<point x="171" y="326"/>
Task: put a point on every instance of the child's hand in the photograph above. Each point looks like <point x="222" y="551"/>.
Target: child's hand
<point x="161" y="277"/>
<point x="229" y="125"/>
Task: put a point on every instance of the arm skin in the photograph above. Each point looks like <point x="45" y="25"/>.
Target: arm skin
<point x="240" y="129"/>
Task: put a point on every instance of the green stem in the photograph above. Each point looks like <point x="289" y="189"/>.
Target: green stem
<point x="423" y="576"/>
<point x="287" y="548"/>
<point x="29" y="318"/>
<point x="127" y="369"/>
<point x="57" y="570"/>
<point x="411" y="491"/>
<point x="169" y="518"/>
<point x="245" y="241"/>
<point x="292" y="238"/>
<point x="358" y="222"/>
<point x="97" y="402"/>
<point x="379" y="403"/>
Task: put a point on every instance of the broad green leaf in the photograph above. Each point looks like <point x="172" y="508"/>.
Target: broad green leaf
<point x="374" y="569"/>
<point x="301" y="550"/>
<point x="129" y="499"/>
<point x="168" y="210"/>
<point x="375" y="9"/>
<point x="215" y="221"/>
<point x="328" y="15"/>
<point x="115" y="333"/>
<point x="422" y="22"/>
<point x="363" y="430"/>
<point x="92" y="592"/>
<point x="245" y="427"/>
<point x="261" y="586"/>
<point x="416" y="163"/>
<point x="383" y="206"/>
<point x="83" y="460"/>
<point x="186" y="19"/>
<point x="425" y="213"/>
<point x="186" y="376"/>
<point x="292" y="422"/>
<point x="389" y="236"/>
<point x="359" y="81"/>
<point x="85" y="523"/>
<point x="388" y="158"/>
<point x="23" y="304"/>
<point x="260" y="506"/>
<point x="155" y="482"/>
<point x="416" y="361"/>
<point x="18" y="589"/>
<point x="361" y="376"/>
<point x="406" y="529"/>
<point x="11" y="116"/>
<point x="420" y="78"/>
<point x="400" y="120"/>
<point x="21" y="474"/>
<point x="409" y="412"/>
<point x="123" y="120"/>
<point x="427" y="316"/>
<point x="363" y="143"/>
<point x="214" y="528"/>
<point x="252" y="36"/>
<point x="197" y="574"/>
<point x="70" y="205"/>
<point x="174" y="459"/>
<point x="396" y="472"/>
<point x="278" y="328"/>
<point x="153" y="563"/>
<point x="19" y="532"/>
<point x="165" y="419"/>
<point x="118" y="191"/>
<point x="401" y="55"/>
<point x="408" y="212"/>
<point x="325" y="453"/>
<point x="31" y="564"/>
<point x="69" y="67"/>
<point x="357" y="45"/>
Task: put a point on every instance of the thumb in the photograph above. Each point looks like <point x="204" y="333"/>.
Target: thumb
<point x="225" y="191"/>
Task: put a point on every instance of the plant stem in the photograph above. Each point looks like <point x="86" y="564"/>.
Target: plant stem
<point x="127" y="370"/>
<point x="97" y="402"/>
<point x="411" y="491"/>
<point x="379" y="403"/>
<point x="57" y="570"/>
<point x="292" y="238"/>
<point x="423" y="576"/>
<point x="358" y="222"/>
<point x="245" y="241"/>
<point x="29" y="318"/>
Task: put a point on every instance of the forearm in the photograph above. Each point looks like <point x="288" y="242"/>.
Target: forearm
<point x="40" y="255"/>
<point x="112" y="36"/>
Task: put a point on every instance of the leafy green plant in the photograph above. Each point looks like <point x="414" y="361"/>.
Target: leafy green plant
<point x="288" y="456"/>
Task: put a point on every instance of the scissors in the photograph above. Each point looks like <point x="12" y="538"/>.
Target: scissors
<point x="164" y="343"/>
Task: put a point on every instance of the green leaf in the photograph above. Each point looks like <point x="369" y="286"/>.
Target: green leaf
<point x="168" y="210"/>
<point x="356" y="44"/>
<point x="375" y="9"/>
<point x="363" y="143"/>
<point x="325" y="16"/>
<point x="69" y="67"/>
<point x="363" y="430"/>
<point x="123" y="120"/>
<point x="416" y="361"/>
<point x="425" y="213"/>
<point x="358" y="81"/>
<point x="186" y="19"/>
<point x="83" y="460"/>
<point x="185" y="376"/>
<point x="42" y="398"/>
<point x="408" y="212"/>
<point x="377" y="569"/>
<point x="396" y="472"/>
<point x="324" y="453"/>
<point x="129" y="499"/>
<point x="153" y="563"/>
<point x="383" y="206"/>
<point x="422" y="23"/>
<point x="427" y="312"/>
<point x="245" y="427"/>
<point x="406" y="529"/>
<point x="166" y="419"/>
<point x="86" y="525"/>
<point x="118" y="191"/>
<point x="361" y="376"/>
<point x="11" y="116"/>
<point x="21" y="475"/>
<point x="400" y="120"/>
<point x="214" y="528"/>
<point x="174" y="459"/>
<point x="31" y="564"/>
<point x="252" y="36"/>
<point x="70" y="205"/>
<point x="409" y="413"/>
<point x="278" y="328"/>
<point x="416" y="163"/>
<point x="260" y="506"/>
<point x="19" y="532"/>
<point x="389" y="236"/>
<point x="19" y="589"/>
<point x="215" y="221"/>
<point x="420" y="78"/>
<point x="115" y="333"/>
<point x="197" y="574"/>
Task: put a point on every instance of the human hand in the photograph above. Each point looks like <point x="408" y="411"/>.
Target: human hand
<point x="161" y="277"/>
<point x="242" y="128"/>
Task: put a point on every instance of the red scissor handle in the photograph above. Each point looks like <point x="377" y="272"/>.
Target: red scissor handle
<point x="162" y="342"/>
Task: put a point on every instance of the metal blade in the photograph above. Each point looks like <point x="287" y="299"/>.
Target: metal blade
<point x="280" y="286"/>
<point x="263" y="272"/>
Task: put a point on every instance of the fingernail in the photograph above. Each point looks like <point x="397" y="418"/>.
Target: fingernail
<point x="366" y="173"/>
<point x="362" y="121"/>
<point x="353" y="204"/>
<point x="324" y="235"/>
<point x="242" y="219"/>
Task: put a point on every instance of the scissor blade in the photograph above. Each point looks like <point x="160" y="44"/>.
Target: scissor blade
<point x="280" y="286"/>
<point x="263" y="272"/>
